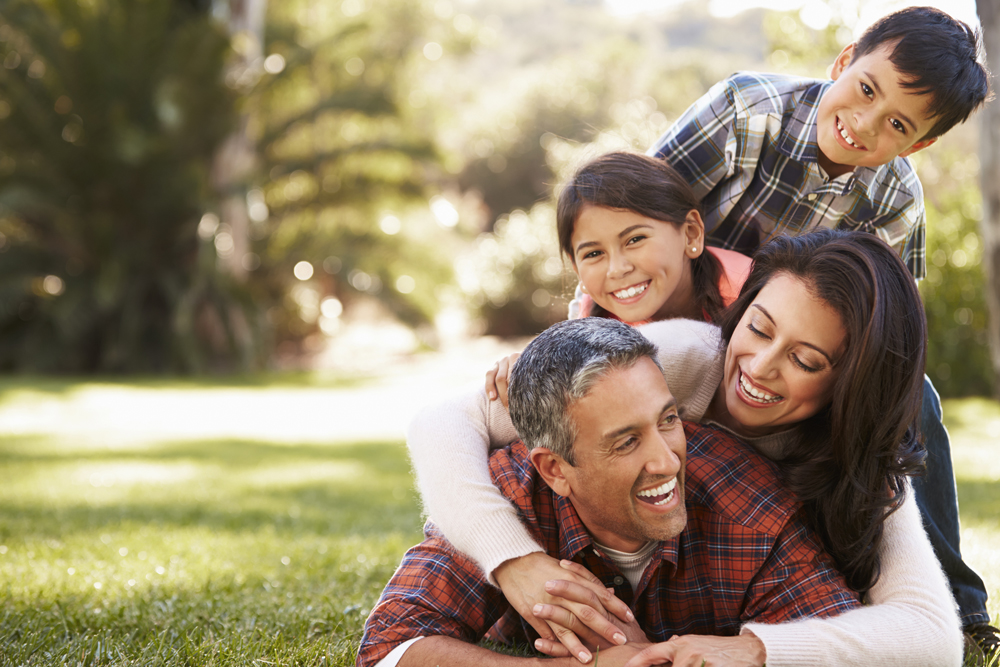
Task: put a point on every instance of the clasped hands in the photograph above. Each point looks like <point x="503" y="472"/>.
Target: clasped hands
<point x="575" y="615"/>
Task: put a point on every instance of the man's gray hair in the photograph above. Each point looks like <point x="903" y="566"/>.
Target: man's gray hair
<point x="559" y="367"/>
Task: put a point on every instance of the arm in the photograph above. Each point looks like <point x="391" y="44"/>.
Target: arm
<point x="448" y="652"/>
<point x="449" y="446"/>
<point x="690" y="353"/>
<point x="911" y="620"/>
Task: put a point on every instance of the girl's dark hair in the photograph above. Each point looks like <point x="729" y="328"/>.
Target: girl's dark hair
<point x="849" y="460"/>
<point x="650" y="187"/>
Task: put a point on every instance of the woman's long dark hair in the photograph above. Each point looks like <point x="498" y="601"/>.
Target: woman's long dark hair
<point x="848" y="463"/>
<point x="647" y="186"/>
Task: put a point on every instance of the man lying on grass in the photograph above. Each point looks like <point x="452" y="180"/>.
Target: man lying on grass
<point x="693" y="548"/>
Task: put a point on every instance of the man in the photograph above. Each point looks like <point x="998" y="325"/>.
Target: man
<point x="600" y="479"/>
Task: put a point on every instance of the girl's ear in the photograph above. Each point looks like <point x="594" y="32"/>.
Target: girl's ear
<point x="693" y="232"/>
<point x="550" y="468"/>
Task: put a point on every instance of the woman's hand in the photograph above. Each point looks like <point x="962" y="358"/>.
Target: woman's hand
<point x="746" y="650"/>
<point x="568" y="607"/>
<point x="498" y="377"/>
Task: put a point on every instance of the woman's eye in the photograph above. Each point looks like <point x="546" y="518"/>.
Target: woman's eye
<point x="756" y="332"/>
<point x="866" y="89"/>
<point x="804" y="366"/>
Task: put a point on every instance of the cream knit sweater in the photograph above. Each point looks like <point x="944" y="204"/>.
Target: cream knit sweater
<point x="910" y="620"/>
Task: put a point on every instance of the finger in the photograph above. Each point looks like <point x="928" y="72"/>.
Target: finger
<point x="542" y="628"/>
<point x="586" y="631"/>
<point x="607" y="597"/>
<point x="551" y="648"/>
<point x="657" y="654"/>
<point x="572" y="643"/>
<point x="491" y="381"/>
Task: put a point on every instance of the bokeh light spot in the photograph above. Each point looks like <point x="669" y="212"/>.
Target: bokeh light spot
<point x="303" y="270"/>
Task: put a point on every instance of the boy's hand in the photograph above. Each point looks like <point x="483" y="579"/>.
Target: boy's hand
<point x="498" y="377"/>
<point x="568" y="606"/>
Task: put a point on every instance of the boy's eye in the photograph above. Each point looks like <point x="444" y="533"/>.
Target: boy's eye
<point x="867" y="90"/>
<point x="899" y="126"/>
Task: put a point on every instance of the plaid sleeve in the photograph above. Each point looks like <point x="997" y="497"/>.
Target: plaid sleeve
<point x="697" y="144"/>
<point x="435" y="591"/>
<point x="797" y="580"/>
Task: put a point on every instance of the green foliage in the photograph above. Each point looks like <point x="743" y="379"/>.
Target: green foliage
<point x="957" y="354"/>
<point x="341" y="148"/>
<point x="110" y="112"/>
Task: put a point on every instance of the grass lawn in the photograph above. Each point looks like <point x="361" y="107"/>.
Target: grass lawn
<point x="127" y="539"/>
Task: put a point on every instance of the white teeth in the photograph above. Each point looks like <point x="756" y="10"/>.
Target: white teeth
<point x="665" y="488"/>
<point x="843" y="133"/>
<point x="631" y="291"/>
<point x="759" y="395"/>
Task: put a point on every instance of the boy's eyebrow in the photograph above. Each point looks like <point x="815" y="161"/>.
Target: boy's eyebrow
<point x="801" y="342"/>
<point x="901" y="115"/>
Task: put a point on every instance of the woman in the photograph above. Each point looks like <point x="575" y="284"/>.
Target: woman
<point x="821" y="371"/>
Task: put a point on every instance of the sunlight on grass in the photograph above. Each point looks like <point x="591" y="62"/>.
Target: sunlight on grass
<point x="121" y="544"/>
<point x="974" y="425"/>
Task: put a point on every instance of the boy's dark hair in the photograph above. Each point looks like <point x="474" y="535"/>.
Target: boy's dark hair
<point x="938" y="55"/>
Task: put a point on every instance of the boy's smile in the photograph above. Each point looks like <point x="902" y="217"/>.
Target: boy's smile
<point x="867" y="118"/>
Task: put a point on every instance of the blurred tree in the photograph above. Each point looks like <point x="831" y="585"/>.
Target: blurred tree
<point x="989" y="155"/>
<point x="346" y="162"/>
<point x="110" y="113"/>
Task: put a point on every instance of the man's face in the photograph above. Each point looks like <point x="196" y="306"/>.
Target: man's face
<point x="628" y="482"/>
<point x="867" y="118"/>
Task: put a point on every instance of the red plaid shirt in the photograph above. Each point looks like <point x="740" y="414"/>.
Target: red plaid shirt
<point x="745" y="555"/>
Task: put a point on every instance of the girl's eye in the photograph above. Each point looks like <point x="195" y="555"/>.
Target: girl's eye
<point x="635" y="239"/>
<point x="592" y="254"/>
<point x="899" y="126"/>
<point x="866" y="89"/>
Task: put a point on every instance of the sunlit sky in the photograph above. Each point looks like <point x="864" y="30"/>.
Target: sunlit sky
<point x="815" y="13"/>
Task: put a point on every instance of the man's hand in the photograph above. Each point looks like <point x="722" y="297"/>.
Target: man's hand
<point x="576" y="609"/>
<point x="702" y="651"/>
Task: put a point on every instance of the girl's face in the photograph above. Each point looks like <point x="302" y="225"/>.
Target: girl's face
<point x="637" y="268"/>
<point x="782" y="359"/>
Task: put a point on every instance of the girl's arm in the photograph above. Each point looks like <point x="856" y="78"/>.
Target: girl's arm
<point x="911" y="620"/>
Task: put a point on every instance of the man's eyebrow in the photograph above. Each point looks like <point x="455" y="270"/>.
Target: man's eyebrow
<point x="610" y="436"/>
<point x="902" y="116"/>
<point x="801" y="342"/>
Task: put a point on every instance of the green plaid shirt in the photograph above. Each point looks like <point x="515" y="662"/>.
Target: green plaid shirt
<point x="748" y="147"/>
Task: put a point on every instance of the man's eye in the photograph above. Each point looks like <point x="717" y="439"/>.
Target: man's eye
<point x="628" y="444"/>
<point x="670" y="420"/>
<point x="866" y="89"/>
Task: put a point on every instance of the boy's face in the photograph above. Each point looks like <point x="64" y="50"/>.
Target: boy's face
<point x="867" y="118"/>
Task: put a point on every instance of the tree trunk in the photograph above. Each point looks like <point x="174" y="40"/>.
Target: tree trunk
<point x="236" y="157"/>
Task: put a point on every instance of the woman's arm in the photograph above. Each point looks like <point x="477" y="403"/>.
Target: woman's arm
<point x="911" y="620"/>
<point x="449" y="446"/>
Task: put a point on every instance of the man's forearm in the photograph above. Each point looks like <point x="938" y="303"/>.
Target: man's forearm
<point x="443" y="651"/>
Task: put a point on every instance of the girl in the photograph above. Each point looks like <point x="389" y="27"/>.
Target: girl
<point x="631" y="228"/>
<point x="820" y="368"/>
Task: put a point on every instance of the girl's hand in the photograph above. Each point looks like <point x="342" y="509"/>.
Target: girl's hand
<point x="581" y="607"/>
<point x="746" y="650"/>
<point x="498" y="377"/>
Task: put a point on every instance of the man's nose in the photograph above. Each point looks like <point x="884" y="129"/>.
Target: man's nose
<point x="665" y="460"/>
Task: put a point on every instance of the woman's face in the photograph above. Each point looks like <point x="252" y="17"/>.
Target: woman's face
<point x="636" y="267"/>
<point x="782" y="358"/>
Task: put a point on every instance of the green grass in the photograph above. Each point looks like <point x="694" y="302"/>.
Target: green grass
<point x="119" y="547"/>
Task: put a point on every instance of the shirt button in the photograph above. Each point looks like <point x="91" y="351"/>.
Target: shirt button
<point x="618" y="581"/>
<point x="811" y="196"/>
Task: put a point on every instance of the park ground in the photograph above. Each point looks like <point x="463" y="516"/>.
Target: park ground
<point x="254" y="521"/>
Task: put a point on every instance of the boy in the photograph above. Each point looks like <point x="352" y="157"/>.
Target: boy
<point x="778" y="155"/>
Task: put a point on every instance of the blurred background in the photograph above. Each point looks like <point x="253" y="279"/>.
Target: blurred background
<point x="205" y="186"/>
